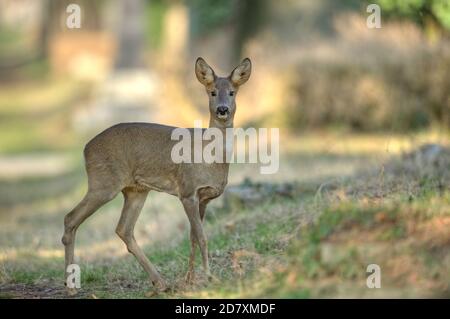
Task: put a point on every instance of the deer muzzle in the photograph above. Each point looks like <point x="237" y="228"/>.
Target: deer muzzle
<point x="222" y="112"/>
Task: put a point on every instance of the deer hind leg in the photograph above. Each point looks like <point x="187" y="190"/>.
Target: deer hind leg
<point x="134" y="201"/>
<point x="88" y="205"/>
<point x="192" y="208"/>
<point x="190" y="276"/>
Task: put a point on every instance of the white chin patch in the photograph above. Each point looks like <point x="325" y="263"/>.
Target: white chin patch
<point x="222" y="117"/>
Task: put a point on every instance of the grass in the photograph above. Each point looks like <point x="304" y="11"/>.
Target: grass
<point x="282" y="248"/>
<point x="31" y="115"/>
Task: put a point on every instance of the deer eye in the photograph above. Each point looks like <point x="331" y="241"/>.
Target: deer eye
<point x="213" y="93"/>
<point x="231" y="93"/>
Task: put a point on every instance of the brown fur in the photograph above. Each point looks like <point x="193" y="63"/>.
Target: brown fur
<point x="135" y="158"/>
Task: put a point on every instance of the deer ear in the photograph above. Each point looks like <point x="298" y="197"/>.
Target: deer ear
<point x="242" y="72"/>
<point x="205" y="74"/>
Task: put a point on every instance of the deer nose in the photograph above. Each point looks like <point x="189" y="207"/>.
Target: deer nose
<point x="222" y="110"/>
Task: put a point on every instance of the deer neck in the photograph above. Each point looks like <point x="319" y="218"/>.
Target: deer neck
<point x="222" y="126"/>
<point x="213" y="122"/>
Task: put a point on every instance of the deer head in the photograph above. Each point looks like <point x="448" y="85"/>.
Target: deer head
<point x="222" y="90"/>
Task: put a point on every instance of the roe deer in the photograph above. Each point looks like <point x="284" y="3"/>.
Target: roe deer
<point x="134" y="158"/>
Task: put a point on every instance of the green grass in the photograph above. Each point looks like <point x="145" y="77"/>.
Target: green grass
<point x="279" y="248"/>
<point x="260" y="233"/>
<point x="32" y="114"/>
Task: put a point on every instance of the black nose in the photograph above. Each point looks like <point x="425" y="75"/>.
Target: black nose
<point x="222" y="110"/>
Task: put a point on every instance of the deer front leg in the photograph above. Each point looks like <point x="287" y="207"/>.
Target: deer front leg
<point x="192" y="208"/>
<point x="191" y="273"/>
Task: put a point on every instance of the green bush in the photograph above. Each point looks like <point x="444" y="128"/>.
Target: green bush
<point x="419" y="10"/>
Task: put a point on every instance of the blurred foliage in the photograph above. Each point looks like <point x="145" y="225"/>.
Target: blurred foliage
<point x="208" y="15"/>
<point x="9" y="38"/>
<point x="154" y="18"/>
<point x="250" y="16"/>
<point x="246" y="16"/>
<point x="32" y="113"/>
<point x="406" y="94"/>
<point x="441" y="9"/>
<point x="419" y="10"/>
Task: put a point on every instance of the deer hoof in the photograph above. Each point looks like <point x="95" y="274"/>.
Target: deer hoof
<point x="158" y="288"/>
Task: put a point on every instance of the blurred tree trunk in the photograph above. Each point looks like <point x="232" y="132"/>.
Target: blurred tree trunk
<point x="175" y="37"/>
<point x="44" y="29"/>
<point x="130" y="35"/>
<point x="40" y="50"/>
<point x="249" y="16"/>
<point x="242" y="20"/>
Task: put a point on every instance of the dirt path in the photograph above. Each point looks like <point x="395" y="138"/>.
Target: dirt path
<point x="30" y="291"/>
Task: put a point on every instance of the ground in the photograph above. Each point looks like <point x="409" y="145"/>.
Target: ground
<point x="357" y="199"/>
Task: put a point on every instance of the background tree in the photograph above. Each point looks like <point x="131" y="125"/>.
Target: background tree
<point x="427" y="13"/>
